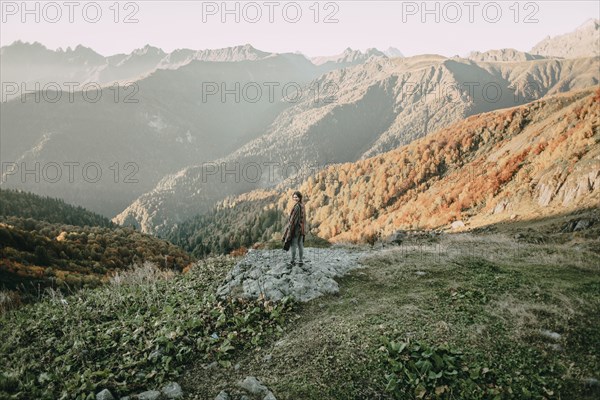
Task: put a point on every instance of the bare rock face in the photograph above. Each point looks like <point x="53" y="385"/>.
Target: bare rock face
<point x="550" y="183"/>
<point x="580" y="184"/>
<point x="502" y="206"/>
<point x="564" y="187"/>
<point x="457" y="224"/>
<point x="251" y="388"/>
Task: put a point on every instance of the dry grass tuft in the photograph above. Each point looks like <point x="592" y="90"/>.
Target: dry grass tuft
<point x="148" y="272"/>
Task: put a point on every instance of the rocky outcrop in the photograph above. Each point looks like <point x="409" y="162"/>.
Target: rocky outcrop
<point x="269" y="272"/>
<point x="566" y="188"/>
<point x="580" y="184"/>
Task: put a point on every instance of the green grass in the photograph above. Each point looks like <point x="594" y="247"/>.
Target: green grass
<point x="129" y="337"/>
<point x="476" y="307"/>
<point x="489" y="304"/>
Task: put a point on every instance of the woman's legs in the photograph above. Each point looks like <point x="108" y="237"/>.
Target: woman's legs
<point x="297" y="242"/>
<point x="300" y="248"/>
<point x="294" y="245"/>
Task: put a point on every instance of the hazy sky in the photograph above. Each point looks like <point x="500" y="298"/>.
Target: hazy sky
<point x="313" y="28"/>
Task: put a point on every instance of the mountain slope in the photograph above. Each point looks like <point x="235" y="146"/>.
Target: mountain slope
<point x="533" y="161"/>
<point x="28" y="205"/>
<point x="458" y="89"/>
<point x="47" y="243"/>
<point x="539" y="159"/>
<point x="168" y="122"/>
<point x="369" y="109"/>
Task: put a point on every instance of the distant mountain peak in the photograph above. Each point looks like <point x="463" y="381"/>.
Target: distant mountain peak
<point x="148" y="49"/>
<point x="81" y="49"/>
<point x="349" y="57"/>
<point x="374" y="51"/>
<point x="19" y="44"/>
<point x="393" y="52"/>
<point x="248" y="48"/>
<point x="582" y="42"/>
<point x="590" y="23"/>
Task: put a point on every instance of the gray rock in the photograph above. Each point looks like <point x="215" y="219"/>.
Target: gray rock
<point x="268" y="272"/>
<point x="550" y="334"/>
<point x="223" y="395"/>
<point x="172" y="390"/>
<point x="501" y="206"/>
<point x="155" y="354"/>
<point x="253" y="386"/>
<point x="397" y="237"/>
<point x="556" y="347"/>
<point x="104" y="395"/>
<point x="457" y="224"/>
<point x="125" y="398"/>
<point x="149" y="395"/>
<point x="582" y="224"/>
<point x="591" y="382"/>
<point x="297" y="270"/>
<point x="279" y="270"/>
<point x="212" y="365"/>
<point x="270" y="396"/>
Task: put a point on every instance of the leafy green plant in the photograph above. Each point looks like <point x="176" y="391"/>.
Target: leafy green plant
<point x="419" y="370"/>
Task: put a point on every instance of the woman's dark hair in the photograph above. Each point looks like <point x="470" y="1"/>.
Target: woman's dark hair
<point x="296" y="193"/>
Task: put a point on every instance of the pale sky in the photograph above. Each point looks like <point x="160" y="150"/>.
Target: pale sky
<point x="288" y="26"/>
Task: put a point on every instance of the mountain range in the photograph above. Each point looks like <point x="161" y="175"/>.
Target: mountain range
<point x="379" y="106"/>
<point x="31" y="63"/>
<point x="345" y="108"/>
<point x="28" y="63"/>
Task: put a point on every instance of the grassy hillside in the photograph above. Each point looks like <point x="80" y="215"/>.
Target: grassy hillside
<point x="133" y="334"/>
<point x="463" y="316"/>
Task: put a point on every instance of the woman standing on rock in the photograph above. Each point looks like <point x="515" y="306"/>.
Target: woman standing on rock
<point x="295" y="229"/>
